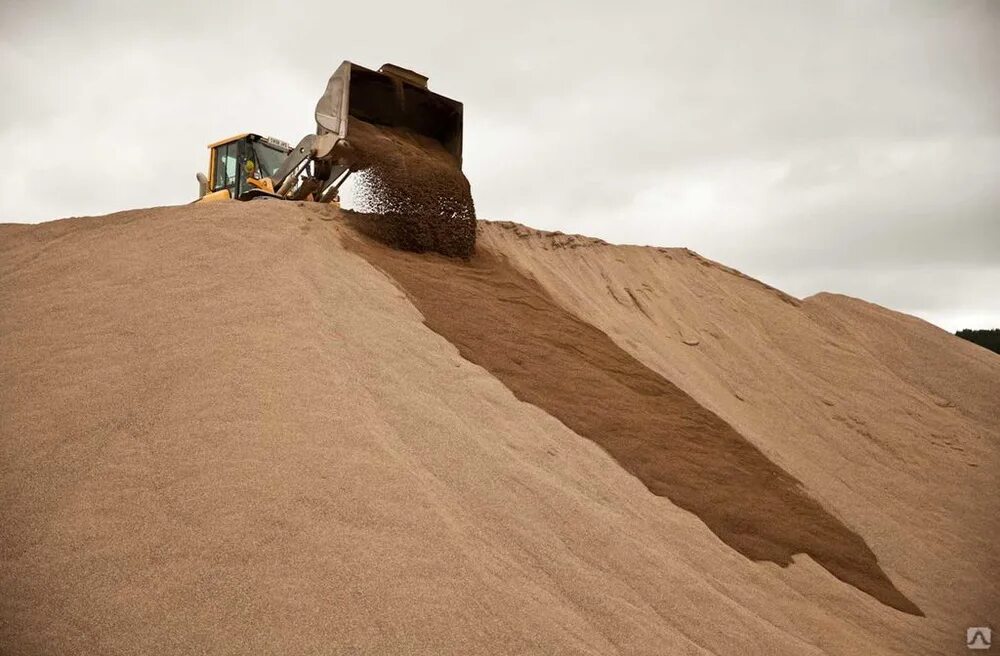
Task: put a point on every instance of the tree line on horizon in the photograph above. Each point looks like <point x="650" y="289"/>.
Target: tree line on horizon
<point x="988" y="338"/>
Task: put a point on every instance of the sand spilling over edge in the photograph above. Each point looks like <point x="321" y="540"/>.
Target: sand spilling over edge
<point x="410" y="192"/>
<point x="507" y="324"/>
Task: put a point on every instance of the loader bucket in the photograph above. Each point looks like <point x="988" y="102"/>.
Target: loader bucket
<point x="391" y="96"/>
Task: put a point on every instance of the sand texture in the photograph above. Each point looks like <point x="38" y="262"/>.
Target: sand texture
<point x="248" y="428"/>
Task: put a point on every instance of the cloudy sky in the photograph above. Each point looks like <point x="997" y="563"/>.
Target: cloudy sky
<point x="848" y="146"/>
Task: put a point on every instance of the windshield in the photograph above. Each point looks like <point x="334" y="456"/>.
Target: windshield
<point x="269" y="158"/>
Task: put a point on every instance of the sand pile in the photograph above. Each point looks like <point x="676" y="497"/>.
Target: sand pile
<point x="224" y="431"/>
<point x="410" y="192"/>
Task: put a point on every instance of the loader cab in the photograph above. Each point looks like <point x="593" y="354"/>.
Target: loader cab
<point x="231" y="161"/>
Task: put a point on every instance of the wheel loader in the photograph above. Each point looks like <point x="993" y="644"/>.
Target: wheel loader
<point x="249" y="166"/>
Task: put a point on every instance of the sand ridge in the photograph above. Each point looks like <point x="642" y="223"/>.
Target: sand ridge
<point x="889" y="421"/>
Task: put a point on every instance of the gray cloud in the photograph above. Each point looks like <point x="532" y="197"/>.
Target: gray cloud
<point x="851" y="146"/>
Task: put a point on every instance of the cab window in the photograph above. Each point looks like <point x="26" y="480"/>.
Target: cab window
<point x="269" y="159"/>
<point x="226" y="166"/>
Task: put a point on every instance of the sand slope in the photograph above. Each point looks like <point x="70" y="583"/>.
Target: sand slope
<point x="892" y="422"/>
<point x="224" y="432"/>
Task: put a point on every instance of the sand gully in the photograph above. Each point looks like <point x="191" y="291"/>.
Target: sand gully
<point x="507" y="324"/>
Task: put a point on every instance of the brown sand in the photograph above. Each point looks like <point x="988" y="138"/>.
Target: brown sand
<point x="410" y="192"/>
<point x="220" y="432"/>
<point x="507" y="324"/>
